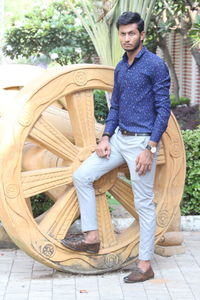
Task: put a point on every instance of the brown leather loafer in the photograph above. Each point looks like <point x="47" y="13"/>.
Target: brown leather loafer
<point x="137" y="275"/>
<point x="131" y="266"/>
<point x="74" y="236"/>
<point x="81" y="245"/>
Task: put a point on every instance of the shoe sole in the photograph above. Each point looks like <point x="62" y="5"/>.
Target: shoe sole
<point x="131" y="281"/>
<point x="71" y="248"/>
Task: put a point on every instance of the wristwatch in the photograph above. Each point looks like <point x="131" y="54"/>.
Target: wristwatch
<point x="150" y="148"/>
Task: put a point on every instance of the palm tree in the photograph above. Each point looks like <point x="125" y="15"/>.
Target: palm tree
<point x="99" y="18"/>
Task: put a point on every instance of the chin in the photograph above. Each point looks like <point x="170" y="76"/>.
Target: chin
<point x="129" y="50"/>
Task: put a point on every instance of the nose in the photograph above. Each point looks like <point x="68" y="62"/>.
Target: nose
<point x="127" y="38"/>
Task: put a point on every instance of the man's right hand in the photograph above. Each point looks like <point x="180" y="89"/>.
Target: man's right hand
<point x="103" y="149"/>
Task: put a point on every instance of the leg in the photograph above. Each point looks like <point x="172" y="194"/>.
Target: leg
<point x="92" y="169"/>
<point x="145" y="207"/>
<point x="142" y="187"/>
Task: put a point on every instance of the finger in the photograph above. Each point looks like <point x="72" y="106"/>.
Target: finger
<point x="97" y="152"/>
<point x="108" y="153"/>
<point x="141" y="169"/>
<point x="138" y="166"/>
<point x="144" y="170"/>
<point x="137" y="160"/>
<point x="100" y="153"/>
<point x="140" y="172"/>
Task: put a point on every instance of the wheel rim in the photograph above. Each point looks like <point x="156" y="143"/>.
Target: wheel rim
<point x="41" y="241"/>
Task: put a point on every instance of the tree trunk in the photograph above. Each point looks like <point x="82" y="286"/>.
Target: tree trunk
<point x="196" y="54"/>
<point x="163" y="45"/>
<point x="186" y="26"/>
<point x="108" y="99"/>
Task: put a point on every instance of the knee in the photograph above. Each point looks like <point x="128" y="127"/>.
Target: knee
<point x="81" y="176"/>
<point x="77" y="176"/>
<point x="144" y="205"/>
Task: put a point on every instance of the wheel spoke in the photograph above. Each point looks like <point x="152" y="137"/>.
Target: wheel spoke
<point x="47" y="135"/>
<point x="106" y="231"/>
<point x="122" y="192"/>
<point x="38" y="181"/>
<point x="28" y="202"/>
<point x="61" y="215"/>
<point x="81" y="111"/>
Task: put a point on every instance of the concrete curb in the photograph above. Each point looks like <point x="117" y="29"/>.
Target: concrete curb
<point x="190" y="223"/>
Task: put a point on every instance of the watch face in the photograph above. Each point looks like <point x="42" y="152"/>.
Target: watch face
<point x="153" y="149"/>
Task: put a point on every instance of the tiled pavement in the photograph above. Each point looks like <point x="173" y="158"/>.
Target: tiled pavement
<point x="176" y="277"/>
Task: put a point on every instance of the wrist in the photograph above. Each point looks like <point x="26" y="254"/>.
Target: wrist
<point x="151" y="149"/>
<point x="106" y="134"/>
<point x="152" y="143"/>
<point x="105" y="138"/>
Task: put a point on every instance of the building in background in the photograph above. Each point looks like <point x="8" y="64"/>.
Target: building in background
<point x="185" y="67"/>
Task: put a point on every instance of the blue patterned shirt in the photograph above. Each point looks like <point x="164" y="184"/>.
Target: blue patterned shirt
<point x="140" y="99"/>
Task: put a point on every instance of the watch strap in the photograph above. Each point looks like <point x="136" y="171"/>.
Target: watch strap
<point x="106" y="134"/>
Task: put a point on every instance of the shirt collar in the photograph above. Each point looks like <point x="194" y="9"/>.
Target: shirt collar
<point x="140" y="53"/>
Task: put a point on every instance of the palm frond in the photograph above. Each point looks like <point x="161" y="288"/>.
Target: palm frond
<point x="103" y="32"/>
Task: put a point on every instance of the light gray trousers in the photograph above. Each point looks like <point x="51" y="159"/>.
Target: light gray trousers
<point x="123" y="149"/>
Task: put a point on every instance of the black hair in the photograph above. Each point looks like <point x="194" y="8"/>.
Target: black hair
<point x="130" y="17"/>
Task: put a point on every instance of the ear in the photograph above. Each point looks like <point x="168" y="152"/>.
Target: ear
<point x="142" y="36"/>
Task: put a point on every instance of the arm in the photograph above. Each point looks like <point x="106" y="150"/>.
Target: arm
<point x="161" y="85"/>
<point x="113" y="115"/>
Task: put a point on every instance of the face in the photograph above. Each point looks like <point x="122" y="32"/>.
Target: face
<point x="130" y="37"/>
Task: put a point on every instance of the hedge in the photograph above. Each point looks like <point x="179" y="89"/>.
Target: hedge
<point x="190" y="204"/>
<point x="182" y="100"/>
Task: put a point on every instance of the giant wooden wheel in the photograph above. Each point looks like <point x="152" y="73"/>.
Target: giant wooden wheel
<point x="27" y="126"/>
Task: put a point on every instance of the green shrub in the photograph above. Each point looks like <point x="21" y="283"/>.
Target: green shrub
<point x="182" y="100"/>
<point x="100" y="106"/>
<point x="52" y="31"/>
<point x="40" y="203"/>
<point x="191" y="198"/>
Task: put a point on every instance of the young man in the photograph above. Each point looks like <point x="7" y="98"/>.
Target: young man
<point x="139" y="113"/>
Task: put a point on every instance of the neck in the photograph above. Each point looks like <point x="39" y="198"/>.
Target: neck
<point x="132" y="54"/>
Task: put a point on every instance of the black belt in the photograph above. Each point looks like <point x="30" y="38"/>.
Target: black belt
<point x="125" y="132"/>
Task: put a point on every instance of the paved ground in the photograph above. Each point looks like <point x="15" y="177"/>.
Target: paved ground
<point x="177" y="277"/>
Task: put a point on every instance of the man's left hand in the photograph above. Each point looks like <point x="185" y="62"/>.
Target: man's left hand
<point x="144" y="162"/>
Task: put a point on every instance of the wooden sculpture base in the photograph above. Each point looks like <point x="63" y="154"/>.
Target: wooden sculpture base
<point x="171" y="241"/>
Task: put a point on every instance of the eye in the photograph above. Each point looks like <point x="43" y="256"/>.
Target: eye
<point x="131" y="33"/>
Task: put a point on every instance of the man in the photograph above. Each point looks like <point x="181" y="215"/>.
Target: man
<point x="139" y="113"/>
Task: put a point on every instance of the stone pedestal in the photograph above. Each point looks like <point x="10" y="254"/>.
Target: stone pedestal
<point x="171" y="241"/>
